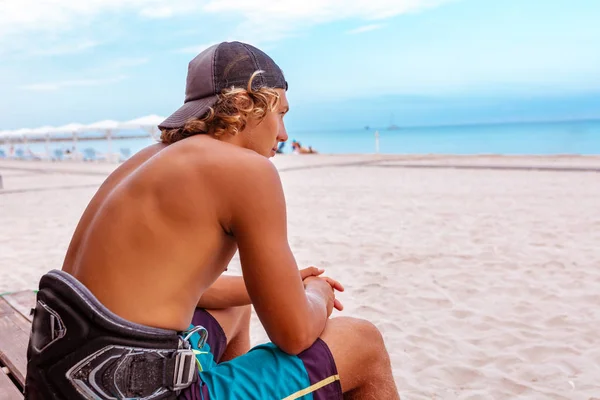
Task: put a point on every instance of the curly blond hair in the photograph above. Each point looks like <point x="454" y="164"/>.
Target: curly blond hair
<point x="230" y="114"/>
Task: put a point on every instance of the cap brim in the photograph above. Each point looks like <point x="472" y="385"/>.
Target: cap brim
<point x="191" y="109"/>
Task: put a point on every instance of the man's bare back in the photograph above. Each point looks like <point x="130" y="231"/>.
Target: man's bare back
<point x="154" y="237"/>
<point x="150" y="250"/>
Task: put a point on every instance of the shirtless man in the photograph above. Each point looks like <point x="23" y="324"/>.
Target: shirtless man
<point x="147" y="256"/>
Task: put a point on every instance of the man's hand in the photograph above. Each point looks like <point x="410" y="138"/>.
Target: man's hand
<point x="314" y="271"/>
<point x="309" y="273"/>
<point x="319" y="290"/>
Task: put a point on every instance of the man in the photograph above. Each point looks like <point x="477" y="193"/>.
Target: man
<point x="149" y="251"/>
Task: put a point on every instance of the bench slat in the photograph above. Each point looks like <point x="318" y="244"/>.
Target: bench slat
<point x="8" y="391"/>
<point x="23" y="302"/>
<point x="14" y="331"/>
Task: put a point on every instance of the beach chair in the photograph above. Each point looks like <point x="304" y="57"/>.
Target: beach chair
<point x="20" y="154"/>
<point x="15" y="326"/>
<point x="58" y="155"/>
<point x="89" y="154"/>
<point x="2" y="154"/>
<point x="125" y="153"/>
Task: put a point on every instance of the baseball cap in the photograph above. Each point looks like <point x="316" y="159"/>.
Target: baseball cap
<point x="219" y="67"/>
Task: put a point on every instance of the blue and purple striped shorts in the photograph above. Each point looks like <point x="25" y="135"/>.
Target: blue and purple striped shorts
<point x="264" y="373"/>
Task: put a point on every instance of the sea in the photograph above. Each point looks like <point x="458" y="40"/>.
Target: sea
<point x="531" y="138"/>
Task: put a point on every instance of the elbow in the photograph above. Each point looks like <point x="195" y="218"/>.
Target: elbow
<point x="295" y="343"/>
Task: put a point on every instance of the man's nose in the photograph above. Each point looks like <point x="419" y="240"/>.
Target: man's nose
<point x="283" y="136"/>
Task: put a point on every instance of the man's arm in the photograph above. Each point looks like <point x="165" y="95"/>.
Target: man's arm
<point x="227" y="291"/>
<point x="293" y="316"/>
<point x="230" y="291"/>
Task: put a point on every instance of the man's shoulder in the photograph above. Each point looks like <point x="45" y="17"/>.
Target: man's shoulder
<point x="218" y="159"/>
<point x="248" y="170"/>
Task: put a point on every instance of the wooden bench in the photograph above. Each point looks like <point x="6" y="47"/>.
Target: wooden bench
<point x="15" y="325"/>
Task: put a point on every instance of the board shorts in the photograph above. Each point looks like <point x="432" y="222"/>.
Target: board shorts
<point x="265" y="372"/>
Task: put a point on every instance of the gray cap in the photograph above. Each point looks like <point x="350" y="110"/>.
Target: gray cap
<point x="219" y="67"/>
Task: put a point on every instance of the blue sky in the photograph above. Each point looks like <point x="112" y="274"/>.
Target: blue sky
<point x="349" y="63"/>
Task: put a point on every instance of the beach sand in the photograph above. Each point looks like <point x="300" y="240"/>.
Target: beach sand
<point x="484" y="281"/>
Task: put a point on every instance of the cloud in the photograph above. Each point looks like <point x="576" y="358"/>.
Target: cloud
<point x="20" y="16"/>
<point x="365" y="28"/>
<point x="52" y="86"/>
<point x="158" y="12"/>
<point x="62" y="49"/>
<point x="261" y="20"/>
<point x="274" y="19"/>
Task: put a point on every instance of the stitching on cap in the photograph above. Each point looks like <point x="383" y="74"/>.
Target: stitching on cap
<point x="255" y="62"/>
<point x="214" y="70"/>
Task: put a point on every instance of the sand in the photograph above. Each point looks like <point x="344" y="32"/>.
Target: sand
<point x="484" y="281"/>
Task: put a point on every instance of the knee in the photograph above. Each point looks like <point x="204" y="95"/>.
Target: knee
<point x="371" y="339"/>
<point x="369" y="331"/>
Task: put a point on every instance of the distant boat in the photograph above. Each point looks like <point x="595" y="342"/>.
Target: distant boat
<point x="392" y="126"/>
<point x="367" y="127"/>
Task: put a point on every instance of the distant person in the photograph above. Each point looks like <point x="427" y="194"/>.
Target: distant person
<point x="141" y="308"/>
<point x="297" y="148"/>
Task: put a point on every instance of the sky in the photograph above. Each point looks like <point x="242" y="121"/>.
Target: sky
<point x="349" y="63"/>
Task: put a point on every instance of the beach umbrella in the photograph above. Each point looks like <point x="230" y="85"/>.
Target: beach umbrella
<point x="108" y="126"/>
<point x="149" y="123"/>
<point x="4" y="135"/>
<point x="19" y="134"/>
<point x="69" y="128"/>
<point x="45" y="131"/>
<point x="72" y="128"/>
<point x="42" y="130"/>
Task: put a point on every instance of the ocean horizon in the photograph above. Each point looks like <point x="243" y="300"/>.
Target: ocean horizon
<point x="578" y="137"/>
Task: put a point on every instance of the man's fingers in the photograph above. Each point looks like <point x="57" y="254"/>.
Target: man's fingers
<point x="338" y="305"/>
<point x="310" y="271"/>
<point x="334" y="284"/>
